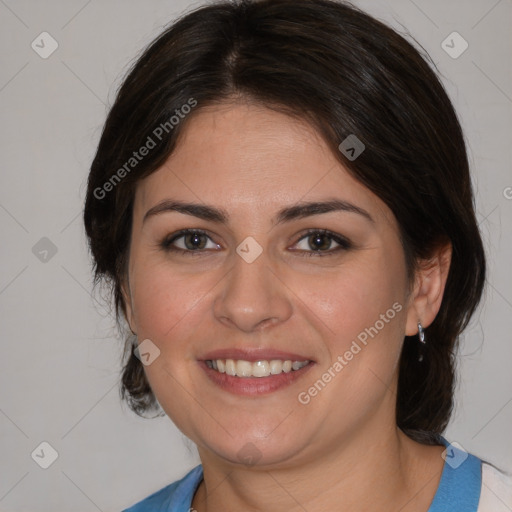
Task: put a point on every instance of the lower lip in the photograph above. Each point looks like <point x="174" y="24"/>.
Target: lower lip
<point x="254" y="386"/>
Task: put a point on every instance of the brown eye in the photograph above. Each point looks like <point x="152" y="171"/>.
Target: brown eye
<point x="194" y="241"/>
<point x="187" y="241"/>
<point x="320" y="243"/>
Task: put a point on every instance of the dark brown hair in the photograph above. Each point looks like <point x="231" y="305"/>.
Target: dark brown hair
<point x="345" y="73"/>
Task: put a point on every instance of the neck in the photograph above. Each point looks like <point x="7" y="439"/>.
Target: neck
<point x="374" y="470"/>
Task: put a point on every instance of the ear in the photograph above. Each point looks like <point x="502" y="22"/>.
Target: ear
<point x="427" y="295"/>
<point x="127" y="298"/>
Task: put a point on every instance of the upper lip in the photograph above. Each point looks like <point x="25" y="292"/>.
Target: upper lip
<point x="254" y="354"/>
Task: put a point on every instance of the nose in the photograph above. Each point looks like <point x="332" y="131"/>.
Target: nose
<point x="252" y="296"/>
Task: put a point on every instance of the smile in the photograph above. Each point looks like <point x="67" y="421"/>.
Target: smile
<point x="262" y="368"/>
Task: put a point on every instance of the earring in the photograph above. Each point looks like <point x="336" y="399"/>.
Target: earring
<point x="421" y="336"/>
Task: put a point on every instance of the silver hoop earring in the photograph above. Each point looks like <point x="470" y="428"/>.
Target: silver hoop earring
<point x="421" y="333"/>
<point x="421" y="336"/>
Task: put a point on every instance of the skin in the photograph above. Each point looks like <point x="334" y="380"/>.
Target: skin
<point x="343" y="450"/>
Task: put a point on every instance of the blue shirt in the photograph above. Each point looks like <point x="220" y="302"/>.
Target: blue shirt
<point x="458" y="490"/>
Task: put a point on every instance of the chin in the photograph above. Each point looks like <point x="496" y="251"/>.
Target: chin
<point x="251" y="449"/>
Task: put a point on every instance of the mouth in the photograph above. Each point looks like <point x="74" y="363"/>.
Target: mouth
<point x="262" y="368"/>
<point x="254" y="372"/>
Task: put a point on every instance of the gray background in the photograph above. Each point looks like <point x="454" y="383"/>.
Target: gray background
<point x="60" y="366"/>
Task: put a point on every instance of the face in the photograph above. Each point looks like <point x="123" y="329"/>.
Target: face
<point x="259" y="282"/>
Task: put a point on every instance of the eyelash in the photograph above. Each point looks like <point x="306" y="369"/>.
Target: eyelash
<point x="344" y="244"/>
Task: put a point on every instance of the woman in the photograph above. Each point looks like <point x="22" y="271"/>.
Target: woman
<point x="282" y="204"/>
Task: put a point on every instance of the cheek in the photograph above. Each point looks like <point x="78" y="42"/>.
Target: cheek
<point x="163" y="299"/>
<point x="364" y="310"/>
<point x="364" y="307"/>
<point x="353" y="300"/>
<point x="169" y="311"/>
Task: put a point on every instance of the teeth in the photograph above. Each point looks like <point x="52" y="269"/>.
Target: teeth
<point x="276" y="366"/>
<point x="230" y="367"/>
<point x="260" y="369"/>
<point x="242" y="368"/>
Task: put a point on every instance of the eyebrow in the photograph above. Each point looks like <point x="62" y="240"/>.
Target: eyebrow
<point x="218" y="215"/>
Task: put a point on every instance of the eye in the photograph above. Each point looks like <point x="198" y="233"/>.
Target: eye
<point x="316" y="242"/>
<point x="188" y="241"/>
<point x="319" y="242"/>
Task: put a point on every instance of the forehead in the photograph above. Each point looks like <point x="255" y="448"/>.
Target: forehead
<point x="244" y="155"/>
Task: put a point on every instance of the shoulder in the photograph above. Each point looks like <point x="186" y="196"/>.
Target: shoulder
<point x="496" y="493"/>
<point x="175" y="497"/>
